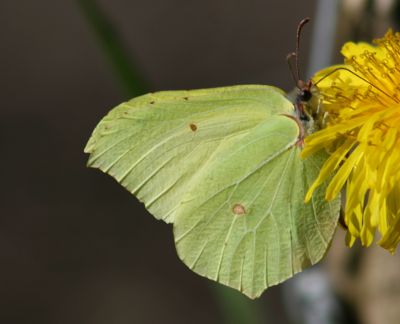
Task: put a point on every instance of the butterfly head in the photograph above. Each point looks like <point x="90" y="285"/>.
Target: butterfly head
<point x="308" y="108"/>
<point x="304" y="91"/>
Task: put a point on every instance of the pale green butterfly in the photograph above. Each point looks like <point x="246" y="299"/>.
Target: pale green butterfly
<point x="223" y="166"/>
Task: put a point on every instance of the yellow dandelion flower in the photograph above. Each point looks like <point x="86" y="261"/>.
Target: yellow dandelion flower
<point x="362" y="135"/>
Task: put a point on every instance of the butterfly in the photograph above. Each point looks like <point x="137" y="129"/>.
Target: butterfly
<point x="223" y="166"/>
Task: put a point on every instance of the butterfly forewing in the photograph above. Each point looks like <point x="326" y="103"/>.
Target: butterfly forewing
<point x="155" y="144"/>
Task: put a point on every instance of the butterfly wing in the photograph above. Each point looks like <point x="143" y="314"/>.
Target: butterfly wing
<point x="223" y="166"/>
<point x="155" y="145"/>
<point x="246" y="225"/>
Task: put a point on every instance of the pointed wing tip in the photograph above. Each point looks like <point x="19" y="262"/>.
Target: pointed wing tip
<point x="90" y="145"/>
<point x="251" y="295"/>
<point x="88" y="149"/>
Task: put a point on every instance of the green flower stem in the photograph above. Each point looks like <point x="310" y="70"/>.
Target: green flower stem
<point x="127" y="73"/>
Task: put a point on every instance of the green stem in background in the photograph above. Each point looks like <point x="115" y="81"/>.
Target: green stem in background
<point x="113" y="47"/>
<point x="235" y="308"/>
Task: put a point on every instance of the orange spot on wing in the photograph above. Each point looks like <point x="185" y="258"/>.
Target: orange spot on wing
<point x="238" y="209"/>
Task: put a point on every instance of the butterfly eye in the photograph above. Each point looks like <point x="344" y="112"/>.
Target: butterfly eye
<point x="305" y="95"/>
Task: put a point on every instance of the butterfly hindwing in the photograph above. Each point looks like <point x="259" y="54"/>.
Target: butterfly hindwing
<point x="245" y="223"/>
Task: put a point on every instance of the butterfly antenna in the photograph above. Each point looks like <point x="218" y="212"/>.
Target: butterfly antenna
<point x="298" y="36"/>
<point x="291" y="68"/>
<point x="358" y="76"/>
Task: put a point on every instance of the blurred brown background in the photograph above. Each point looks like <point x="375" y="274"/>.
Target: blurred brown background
<point x="75" y="247"/>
